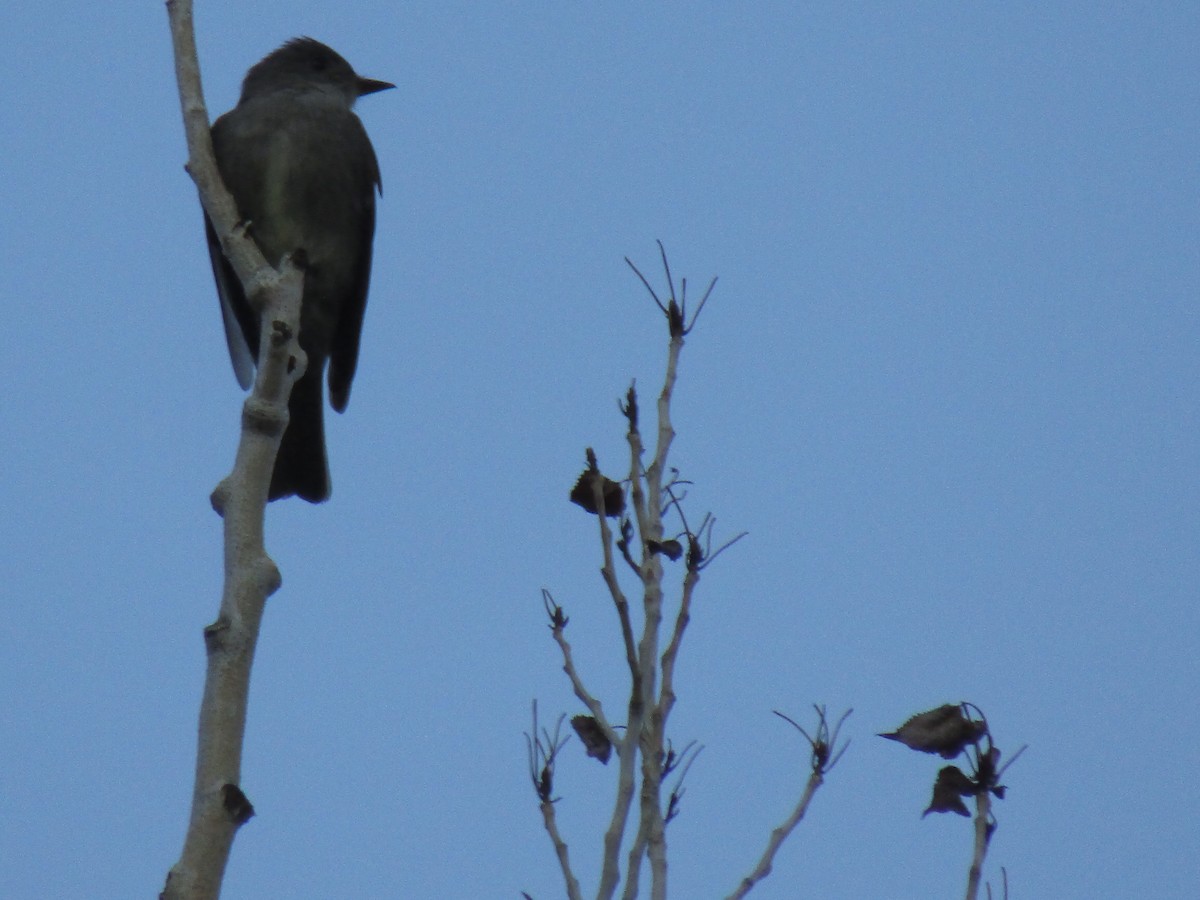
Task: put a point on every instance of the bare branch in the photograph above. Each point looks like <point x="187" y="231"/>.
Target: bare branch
<point x="662" y="252"/>
<point x="666" y="700"/>
<point x="627" y="747"/>
<point x="543" y="750"/>
<point x="651" y="822"/>
<point x="825" y="755"/>
<point x="709" y="554"/>
<point x="252" y="269"/>
<point x="624" y="543"/>
<point x="825" y="751"/>
<point x="609" y="572"/>
<point x="637" y="854"/>
<point x="550" y="821"/>
<point x="639" y="274"/>
<point x="778" y="836"/>
<point x="1012" y="759"/>
<point x="641" y="527"/>
<point x="610" y="873"/>
<point x="687" y="757"/>
<point x="595" y="707"/>
<point x="983" y="833"/>
<point x="219" y="806"/>
<point x="699" y="309"/>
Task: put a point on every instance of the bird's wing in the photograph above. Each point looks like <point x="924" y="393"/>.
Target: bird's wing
<point x="343" y="356"/>
<point x="241" y="325"/>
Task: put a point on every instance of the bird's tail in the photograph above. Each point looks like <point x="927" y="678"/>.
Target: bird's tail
<point x="301" y="468"/>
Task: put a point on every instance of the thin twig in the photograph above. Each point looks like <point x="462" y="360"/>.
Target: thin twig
<point x="825" y="755"/>
<point x="560" y="850"/>
<point x="666" y="696"/>
<point x="609" y="572"/>
<point x="687" y="756"/>
<point x="595" y="707"/>
<point x="627" y="747"/>
<point x="983" y="833"/>
<point x="778" y="836"/>
<point x="543" y="752"/>
<point x="627" y="750"/>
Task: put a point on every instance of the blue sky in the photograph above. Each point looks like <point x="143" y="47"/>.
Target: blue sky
<point x="947" y="383"/>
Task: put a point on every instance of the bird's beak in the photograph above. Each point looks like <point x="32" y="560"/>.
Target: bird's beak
<point x="370" y="86"/>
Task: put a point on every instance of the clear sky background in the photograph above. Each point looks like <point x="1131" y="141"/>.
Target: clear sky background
<point x="947" y="383"/>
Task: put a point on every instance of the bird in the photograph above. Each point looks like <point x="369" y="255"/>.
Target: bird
<point x="304" y="175"/>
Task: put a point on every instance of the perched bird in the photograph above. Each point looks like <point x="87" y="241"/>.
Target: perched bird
<point x="303" y="172"/>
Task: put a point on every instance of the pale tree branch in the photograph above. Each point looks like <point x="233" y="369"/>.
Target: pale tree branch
<point x="595" y="707"/>
<point x="649" y="733"/>
<point x="650" y="838"/>
<point x="560" y="849"/>
<point x="778" y="836"/>
<point x="653" y="821"/>
<point x="983" y="834"/>
<point x="666" y="701"/>
<point x="988" y="777"/>
<point x="670" y="762"/>
<point x="823" y="745"/>
<point x="256" y="276"/>
<point x="627" y="746"/>
<point x="610" y="872"/>
<point x="637" y="853"/>
<point x="652" y="827"/>
<point x="543" y="749"/>
<point x="599" y="504"/>
<point x="219" y="807"/>
<point x="643" y="751"/>
<point x="699" y="555"/>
